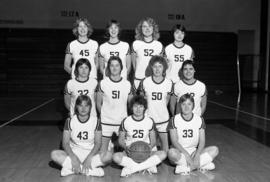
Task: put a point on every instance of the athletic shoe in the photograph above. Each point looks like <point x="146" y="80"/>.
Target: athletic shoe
<point x="152" y="170"/>
<point x="98" y="172"/>
<point x="183" y="170"/>
<point x="208" y="167"/>
<point x="66" y="172"/>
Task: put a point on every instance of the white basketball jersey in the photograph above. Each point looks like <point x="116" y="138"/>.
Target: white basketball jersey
<point x="156" y="94"/>
<point x="115" y="97"/>
<point x="83" y="133"/>
<point x="76" y="88"/>
<point x="187" y="130"/>
<point x="176" y="56"/>
<point x="144" y="51"/>
<point x="120" y="49"/>
<point x="137" y="130"/>
<point x="86" y="50"/>
<point x="197" y="89"/>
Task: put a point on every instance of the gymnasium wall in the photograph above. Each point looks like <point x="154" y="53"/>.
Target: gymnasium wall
<point x="197" y="15"/>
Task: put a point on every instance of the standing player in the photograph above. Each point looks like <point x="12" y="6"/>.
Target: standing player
<point x="138" y="127"/>
<point x="144" y="47"/>
<point x="114" y="47"/>
<point x="177" y="52"/>
<point x="82" y="47"/>
<point x="80" y="85"/>
<point x="187" y="133"/>
<point x="192" y="86"/>
<point x="112" y="99"/>
<point x="81" y="143"/>
<point x="157" y="90"/>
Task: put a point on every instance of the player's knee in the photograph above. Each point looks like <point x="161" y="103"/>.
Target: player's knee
<point x="117" y="157"/>
<point x="172" y="154"/>
<point x="54" y="155"/>
<point x="162" y="155"/>
<point x="215" y="151"/>
<point x="107" y="157"/>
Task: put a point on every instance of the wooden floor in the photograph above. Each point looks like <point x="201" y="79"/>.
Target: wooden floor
<point x="26" y="142"/>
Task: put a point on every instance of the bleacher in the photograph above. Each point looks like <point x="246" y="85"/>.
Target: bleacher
<point x="31" y="60"/>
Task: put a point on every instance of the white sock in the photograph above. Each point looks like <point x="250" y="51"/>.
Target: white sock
<point x="67" y="163"/>
<point x="96" y="161"/>
<point x="127" y="161"/>
<point x="205" y="159"/>
<point x="182" y="161"/>
<point x="151" y="161"/>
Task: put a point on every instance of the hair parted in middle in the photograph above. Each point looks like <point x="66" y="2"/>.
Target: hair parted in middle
<point x="76" y="25"/>
<point x="79" y="101"/>
<point x="138" y="30"/>
<point x="113" y="58"/>
<point x="80" y="62"/>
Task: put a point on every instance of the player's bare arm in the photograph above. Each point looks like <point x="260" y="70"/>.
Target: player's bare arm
<point x="66" y="145"/>
<point x="200" y="148"/>
<point x="94" y="151"/>
<point x="203" y="103"/>
<point x="128" y="63"/>
<point x="177" y="145"/>
<point x="67" y="63"/>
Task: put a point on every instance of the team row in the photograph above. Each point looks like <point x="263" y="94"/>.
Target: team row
<point x="138" y="55"/>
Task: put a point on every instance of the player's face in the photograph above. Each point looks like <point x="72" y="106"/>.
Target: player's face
<point x="157" y="69"/>
<point x="186" y="107"/>
<point x="115" y="68"/>
<point x="188" y="72"/>
<point x="82" y="29"/>
<point x="83" y="108"/>
<point x="138" y="109"/>
<point x="179" y="35"/>
<point x="83" y="71"/>
<point x="147" y="29"/>
<point x="114" y="30"/>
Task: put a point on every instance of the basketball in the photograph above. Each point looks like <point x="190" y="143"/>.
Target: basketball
<point x="139" y="151"/>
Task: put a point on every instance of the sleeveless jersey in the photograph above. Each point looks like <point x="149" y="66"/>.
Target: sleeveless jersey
<point x="75" y="88"/>
<point x="86" y="50"/>
<point x="115" y="97"/>
<point x="120" y="49"/>
<point x="176" y="56"/>
<point x="144" y="51"/>
<point x="156" y="94"/>
<point x="137" y="130"/>
<point x="83" y="133"/>
<point x="187" y="130"/>
<point x="197" y="89"/>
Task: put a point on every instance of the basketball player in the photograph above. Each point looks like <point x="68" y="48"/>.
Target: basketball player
<point x="144" y="47"/>
<point x="112" y="99"/>
<point x="81" y="143"/>
<point x="157" y="90"/>
<point x="138" y="127"/>
<point x="82" y="47"/>
<point x="177" y="52"/>
<point x="114" y="47"/>
<point x="187" y="133"/>
<point x="189" y="85"/>
<point x="81" y="85"/>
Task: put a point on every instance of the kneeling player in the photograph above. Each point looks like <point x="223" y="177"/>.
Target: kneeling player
<point x="81" y="143"/>
<point x="187" y="133"/>
<point x="138" y="127"/>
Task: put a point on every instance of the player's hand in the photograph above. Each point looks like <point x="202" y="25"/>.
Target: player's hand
<point x="87" y="164"/>
<point x="76" y="165"/>
<point x="190" y="162"/>
<point x="127" y="149"/>
<point x="196" y="161"/>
